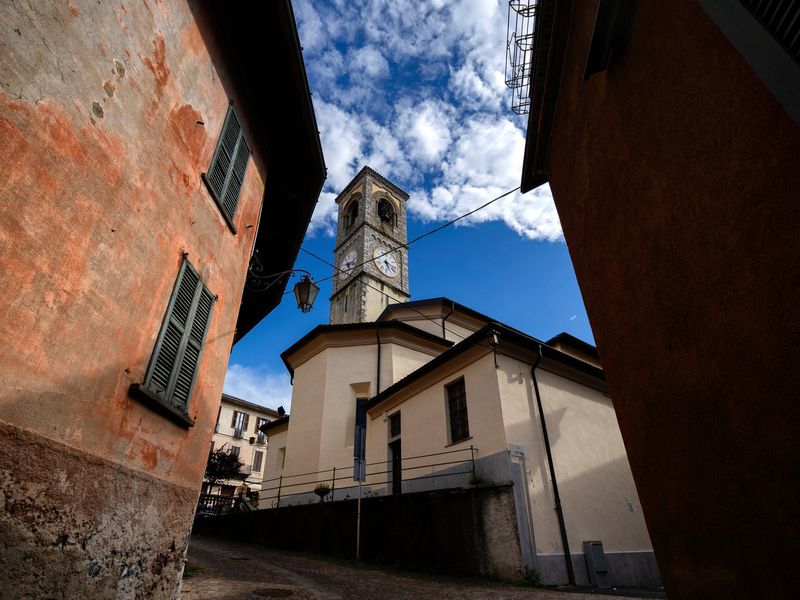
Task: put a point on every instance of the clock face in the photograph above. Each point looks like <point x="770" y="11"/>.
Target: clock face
<point x="347" y="264"/>
<point x="386" y="263"/>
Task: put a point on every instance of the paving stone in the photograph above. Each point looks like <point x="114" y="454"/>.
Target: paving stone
<point x="234" y="571"/>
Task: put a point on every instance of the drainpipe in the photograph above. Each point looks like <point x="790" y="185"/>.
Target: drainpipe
<point x="378" y="371"/>
<point x="447" y="316"/>
<point x="557" y="499"/>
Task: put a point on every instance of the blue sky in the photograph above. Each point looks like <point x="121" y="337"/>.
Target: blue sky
<point x="415" y="89"/>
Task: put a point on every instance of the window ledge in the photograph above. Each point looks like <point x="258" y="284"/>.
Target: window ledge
<point x="466" y="439"/>
<point x="144" y="395"/>
<point x="230" y="224"/>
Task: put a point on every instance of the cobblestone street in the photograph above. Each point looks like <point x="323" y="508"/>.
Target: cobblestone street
<point x="232" y="571"/>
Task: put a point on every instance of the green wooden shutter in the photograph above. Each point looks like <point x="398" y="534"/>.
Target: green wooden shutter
<point x="173" y="367"/>
<point x="226" y="174"/>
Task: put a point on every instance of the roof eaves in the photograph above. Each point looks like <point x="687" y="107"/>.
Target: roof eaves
<point x="248" y="404"/>
<point x="544" y="86"/>
<point x="345" y="327"/>
<point x="368" y="170"/>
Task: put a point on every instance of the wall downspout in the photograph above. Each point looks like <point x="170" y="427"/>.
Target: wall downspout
<point x="447" y="316"/>
<point x="378" y="371"/>
<point x="556" y="498"/>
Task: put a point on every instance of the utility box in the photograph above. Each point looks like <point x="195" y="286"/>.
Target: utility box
<point x="596" y="564"/>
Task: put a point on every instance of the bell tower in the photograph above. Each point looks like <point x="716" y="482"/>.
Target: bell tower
<point x="370" y="254"/>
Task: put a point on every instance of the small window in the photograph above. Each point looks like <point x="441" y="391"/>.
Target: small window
<point x="386" y="211"/>
<point x="394" y="425"/>
<point x="225" y="176"/>
<point x="235" y="451"/>
<point x="351" y="215"/>
<point x="173" y="366"/>
<point x="457" y="411"/>
<point x="257" y="457"/>
<point x="281" y="457"/>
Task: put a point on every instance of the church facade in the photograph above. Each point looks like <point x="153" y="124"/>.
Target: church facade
<point x="453" y="399"/>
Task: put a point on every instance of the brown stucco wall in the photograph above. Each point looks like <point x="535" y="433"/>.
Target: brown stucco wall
<point x="109" y="113"/>
<point x="675" y="174"/>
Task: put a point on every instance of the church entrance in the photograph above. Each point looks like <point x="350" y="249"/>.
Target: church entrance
<point x="395" y="454"/>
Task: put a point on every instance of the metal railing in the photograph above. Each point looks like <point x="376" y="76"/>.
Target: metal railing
<point x="520" y="50"/>
<point x="282" y="486"/>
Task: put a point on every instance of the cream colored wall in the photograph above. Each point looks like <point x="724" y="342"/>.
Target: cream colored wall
<point x="272" y="466"/>
<point x="303" y="438"/>
<point x="325" y="389"/>
<point x="431" y="321"/>
<point x="351" y="374"/>
<point x="595" y="482"/>
<point x="424" y="428"/>
<point x="403" y="361"/>
<point x="224" y="436"/>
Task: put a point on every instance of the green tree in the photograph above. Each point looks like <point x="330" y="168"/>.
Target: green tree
<point x="222" y="464"/>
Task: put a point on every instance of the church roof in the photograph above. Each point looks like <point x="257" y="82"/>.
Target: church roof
<point x="507" y="335"/>
<point x="350" y="327"/>
<point x="441" y="300"/>
<point x="375" y="175"/>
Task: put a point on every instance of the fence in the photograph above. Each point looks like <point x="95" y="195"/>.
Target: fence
<point x="278" y="488"/>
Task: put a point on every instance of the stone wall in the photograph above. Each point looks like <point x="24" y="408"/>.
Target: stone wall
<point x="468" y="531"/>
<point x="76" y="526"/>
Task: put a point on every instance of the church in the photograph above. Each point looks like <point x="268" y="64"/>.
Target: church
<point x="453" y="398"/>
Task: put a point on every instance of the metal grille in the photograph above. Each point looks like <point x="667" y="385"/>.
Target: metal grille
<point x="782" y="19"/>
<point x="520" y="47"/>
<point x="457" y="409"/>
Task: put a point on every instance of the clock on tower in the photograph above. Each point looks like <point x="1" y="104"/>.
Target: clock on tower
<point x="370" y="254"/>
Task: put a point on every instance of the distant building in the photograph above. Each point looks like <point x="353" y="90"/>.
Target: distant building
<point x="453" y="398"/>
<point x="668" y="132"/>
<point x="150" y="153"/>
<point x="237" y="429"/>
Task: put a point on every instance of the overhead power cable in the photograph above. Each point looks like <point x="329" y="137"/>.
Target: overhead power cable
<point x="424" y="235"/>
<point x="431" y="319"/>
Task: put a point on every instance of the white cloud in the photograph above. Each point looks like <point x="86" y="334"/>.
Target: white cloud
<point x="369" y="60"/>
<point x="484" y="162"/>
<point x="425" y="129"/>
<point x="260" y="386"/>
<point x="442" y="126"/>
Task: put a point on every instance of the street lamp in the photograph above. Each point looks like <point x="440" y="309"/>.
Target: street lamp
<point x="305" y="291"/>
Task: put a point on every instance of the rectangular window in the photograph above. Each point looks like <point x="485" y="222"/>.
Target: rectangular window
<point x="173" y="366"/>
<point x="261" y="436"/>
<point x="239" y="422"/>
<point x="281" y="457"/>
<point x="225" y="176"/>
<point x="394" y="425"/>
<point x="457" y="411"/>
<point x="257" y="456"/>
<point x="235" y="451"/>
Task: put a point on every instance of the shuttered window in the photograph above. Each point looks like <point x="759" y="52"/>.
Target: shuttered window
<point x="171" y="374"/>
<point x="257" y="457"/>
<point x="457" y="411"/>
<point x="225" y="176"/>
